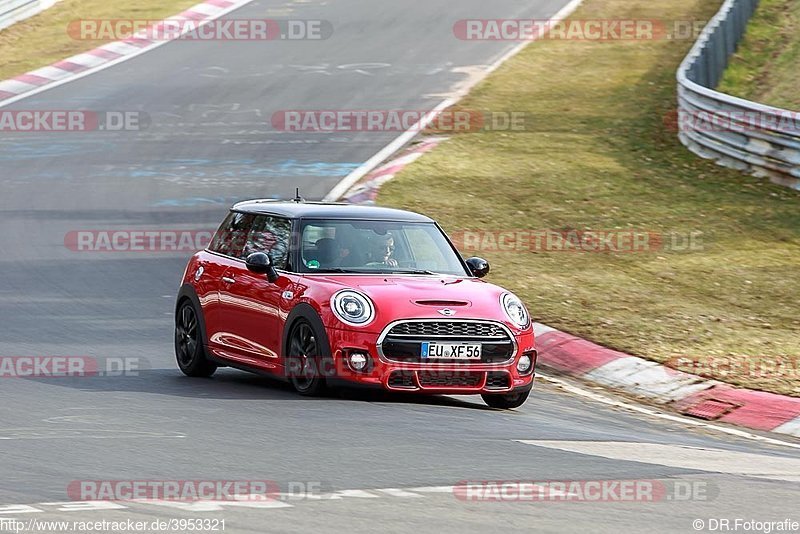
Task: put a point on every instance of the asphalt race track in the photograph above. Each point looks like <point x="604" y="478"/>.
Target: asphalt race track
<point x="210" y="143"/>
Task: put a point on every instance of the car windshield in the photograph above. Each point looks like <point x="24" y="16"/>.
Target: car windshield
<point x="359" y="246"/>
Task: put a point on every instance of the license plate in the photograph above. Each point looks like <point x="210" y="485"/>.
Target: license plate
<point x="451" y="351"/>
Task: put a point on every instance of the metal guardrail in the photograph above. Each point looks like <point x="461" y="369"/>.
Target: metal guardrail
<point x="12" y="11"/>
<point x="737" y="133"/>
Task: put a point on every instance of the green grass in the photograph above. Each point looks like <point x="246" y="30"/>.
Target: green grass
<point x="43" y="39"/>
<point x="766" y="67"/>
<point x="597" y="156"/>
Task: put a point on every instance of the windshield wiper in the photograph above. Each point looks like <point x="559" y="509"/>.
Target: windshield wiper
<point x="370" y="271"/>
<point x="338" y="270"/>
<point x="412" y="271"/>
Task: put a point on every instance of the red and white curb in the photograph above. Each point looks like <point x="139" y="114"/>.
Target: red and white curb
<point x="686" y="393"/>
<point x="104" y="56"/>
<point x="365" y="191"/>
<point x="566" y="354"/>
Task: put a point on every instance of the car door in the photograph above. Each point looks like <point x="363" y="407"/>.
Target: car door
<point x="252" y="303"/>
<point x="225" y="251"/>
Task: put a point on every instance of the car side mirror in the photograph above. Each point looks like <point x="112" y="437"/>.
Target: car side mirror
<point x="260" y="263"/>
<point x="478" y="266"/>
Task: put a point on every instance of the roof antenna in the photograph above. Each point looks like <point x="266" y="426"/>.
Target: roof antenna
<point x="297" y="197"/>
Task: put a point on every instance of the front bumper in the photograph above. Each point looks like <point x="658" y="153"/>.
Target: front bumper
<point x="430" y="378"/>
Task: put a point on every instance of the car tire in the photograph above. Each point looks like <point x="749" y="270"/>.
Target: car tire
<point x="506" y="401"/>
<point x="190" y="350"/>
<point x="304" y="358"/>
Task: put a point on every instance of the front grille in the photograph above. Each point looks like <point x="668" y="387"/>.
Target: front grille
<point x="457" y="329"/>
<point x="433" y="379"/>
<point x="403" y="342"/>
<point x="498" y="380"/>
<point x="402" y="379"/>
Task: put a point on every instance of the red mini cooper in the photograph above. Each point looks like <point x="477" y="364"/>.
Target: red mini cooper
<point x="325" y="294"/>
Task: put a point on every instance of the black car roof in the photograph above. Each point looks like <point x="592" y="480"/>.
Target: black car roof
<point x="327" y="210"/>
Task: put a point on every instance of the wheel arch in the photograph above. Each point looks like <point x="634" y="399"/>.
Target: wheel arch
<point x="309" y="313"/>
<point x="187" y="292"/>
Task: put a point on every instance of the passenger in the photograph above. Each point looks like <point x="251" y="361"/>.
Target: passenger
<point x="330" y="252"/>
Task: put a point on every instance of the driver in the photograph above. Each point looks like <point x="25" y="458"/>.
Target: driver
<point x="383" y="248"/>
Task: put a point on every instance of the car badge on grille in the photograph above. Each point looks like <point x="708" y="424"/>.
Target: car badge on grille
<point x="447" y="311"/>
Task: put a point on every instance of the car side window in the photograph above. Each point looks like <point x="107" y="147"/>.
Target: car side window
<point x="270" y="235"/>
<point x="230" y="238"/>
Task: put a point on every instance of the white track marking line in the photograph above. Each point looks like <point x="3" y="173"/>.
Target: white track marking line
<point x="432" y="489"/>
<point x="113" y="62"/>
<point x="397" y="492"/>
<point x="791" y="427"/>
<point x="669" y="417"/>
<point x="31" y="433"/>
<point x="386" y="152"/>
<point x="275" y="502"/>
<point x="683" y="456"/>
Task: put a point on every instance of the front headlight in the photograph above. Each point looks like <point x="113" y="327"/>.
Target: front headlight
<point x="515" y="310"/>
<point x="352" y="307"/>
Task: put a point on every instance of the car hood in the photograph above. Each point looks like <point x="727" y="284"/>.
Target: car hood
<point x="406" y="297"/>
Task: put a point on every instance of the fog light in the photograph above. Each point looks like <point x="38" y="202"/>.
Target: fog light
<point x="358" y="361"/>
<point x="524" y="364"/>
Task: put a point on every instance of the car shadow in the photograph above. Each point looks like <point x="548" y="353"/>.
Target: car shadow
<point x="232" y="384"/>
